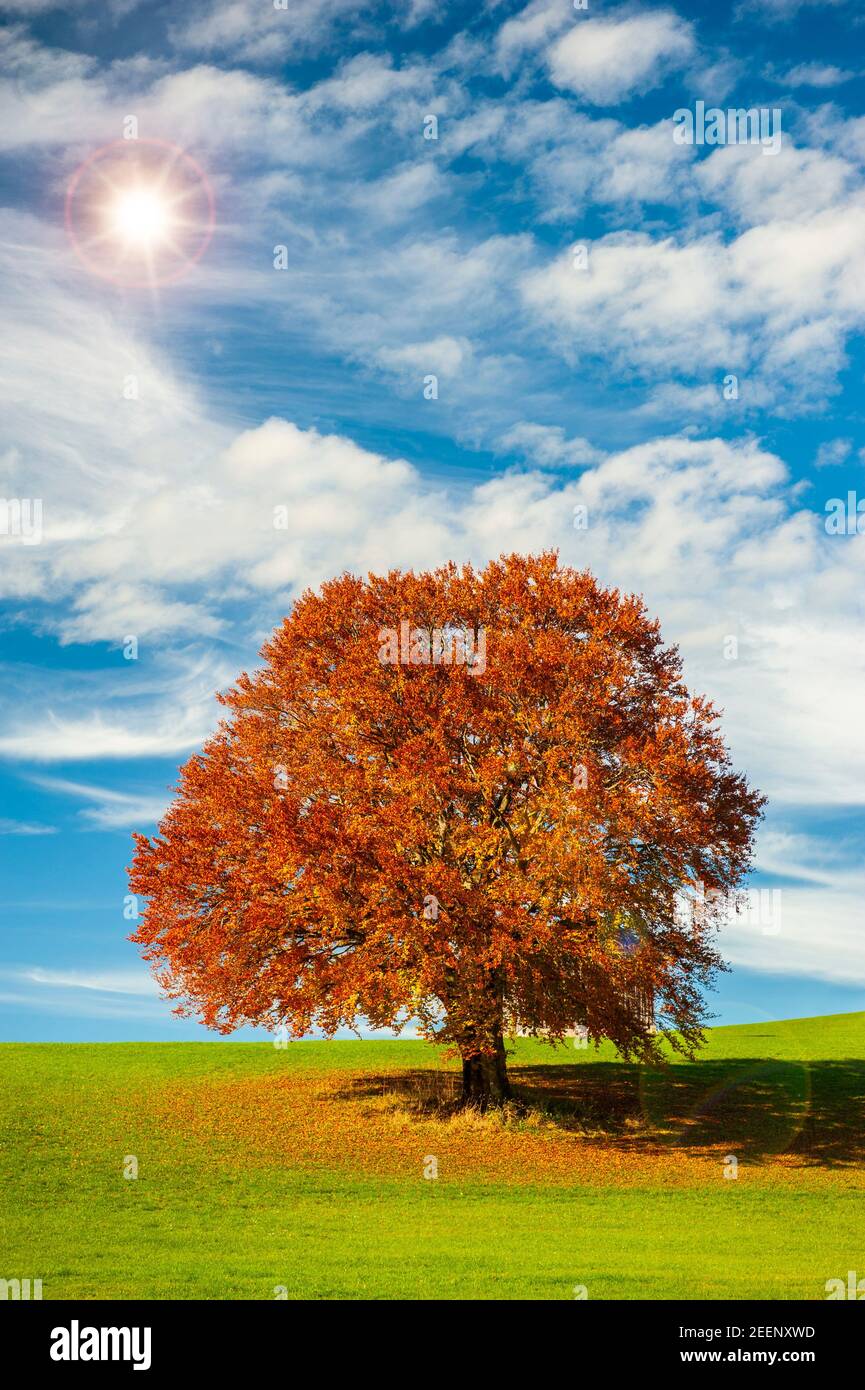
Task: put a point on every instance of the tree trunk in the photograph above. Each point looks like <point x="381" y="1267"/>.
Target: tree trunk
<point x="485" y="1077"/>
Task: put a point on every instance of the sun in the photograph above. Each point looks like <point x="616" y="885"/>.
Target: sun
<point x="141" y="215"/>
<point x="140" y="212"/>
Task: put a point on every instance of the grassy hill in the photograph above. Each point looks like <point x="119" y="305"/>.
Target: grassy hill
<point x="309" y="1170"/>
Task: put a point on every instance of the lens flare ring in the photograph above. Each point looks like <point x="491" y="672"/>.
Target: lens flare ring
<point x="140" y="213"/>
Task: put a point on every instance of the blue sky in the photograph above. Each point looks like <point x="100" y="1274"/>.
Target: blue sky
<point x="407" y="257"/>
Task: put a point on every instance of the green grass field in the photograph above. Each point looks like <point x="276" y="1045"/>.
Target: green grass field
<point x="262" y="1170"/>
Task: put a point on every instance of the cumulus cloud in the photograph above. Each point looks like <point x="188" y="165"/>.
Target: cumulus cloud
<point x="777" y="301"/>
<point x="289" y="30"/>
<point x="383" y="317"/>
<point x="256" y="33"/>
<point x="528" y="31"/>
<point x="589" y="161"/>
<point x="605" y="61"/>
<point x="656" y="302"/>
<point x="61" y="100"/>
<point x="547" y="445"/>
<point x="759" y="191"/>
<point x="442" y="356"/>
<point x="816" y="75"/>
<point x="832" y="452"/>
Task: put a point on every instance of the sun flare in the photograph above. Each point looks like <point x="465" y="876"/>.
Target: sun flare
<point x="140" y="215"/>
<point x="139" y="212"/>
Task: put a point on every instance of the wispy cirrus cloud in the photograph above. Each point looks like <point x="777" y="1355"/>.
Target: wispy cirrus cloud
<point x="814" y="933"/>
<point x="137" y="982"/>
<point x="777" y="11"/>
<point x="50" y="740"/>
<point x="18" y="827"/>
<point x="108" y="808"/>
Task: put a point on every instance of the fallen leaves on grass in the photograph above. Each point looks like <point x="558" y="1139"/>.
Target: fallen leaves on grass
<point x="365" y="1126"/>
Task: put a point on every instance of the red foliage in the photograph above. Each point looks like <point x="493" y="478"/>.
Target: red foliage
<point x="478" y="845"/>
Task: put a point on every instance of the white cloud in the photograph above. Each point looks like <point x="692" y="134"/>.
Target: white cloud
<point x="807" y="932"/>
<point x="102" y="981"/>
<point x="112" y="810"/>
<point x="147" y="501"/>
<point x="17" y="827"/>
<point x="88" y="1005"/>
<point x="792" y="185"/>
<point x="400" y="194"/>
<point x="776" y="11"/>
<point x="655" y="302"/>
<point x="832" y="452"/>
<point x="547" y="445"/>
<point x="588" y="161"/>
<point x="379" y="317"/>
<point x="76" y="716"/>
<point x="262" y="33"/>
<point x="443" y="356"/>
<point x="829" y="128"/>
<point x="90" y="994"/>
<point x="811" y="859"/>
<point x="58" y="100"/>
<point x="419" y="11"/>
<point x="81" y="739"/>
<point x="777" y="302"/>
<point x="816" y="75"/>
<point x="528" y="31"/>
<point x="605" y="61"/>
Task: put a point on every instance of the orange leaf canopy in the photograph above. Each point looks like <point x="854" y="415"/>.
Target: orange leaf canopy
<point x="474" y="798"/>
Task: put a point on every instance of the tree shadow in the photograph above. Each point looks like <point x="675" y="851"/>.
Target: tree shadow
<point x="429" y="1091"/>
<point x="752" y="1107"/>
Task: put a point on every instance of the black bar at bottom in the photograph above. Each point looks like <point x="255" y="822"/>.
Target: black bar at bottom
<point x="71" y="1338"/>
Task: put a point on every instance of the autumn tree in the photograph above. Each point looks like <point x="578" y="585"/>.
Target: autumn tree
<point x="478" y="799"/>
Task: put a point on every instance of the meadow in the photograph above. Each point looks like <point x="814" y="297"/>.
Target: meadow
<point x="339" y="1170"/>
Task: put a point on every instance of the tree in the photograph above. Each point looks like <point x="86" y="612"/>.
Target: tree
<point x="474" y="798"/>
